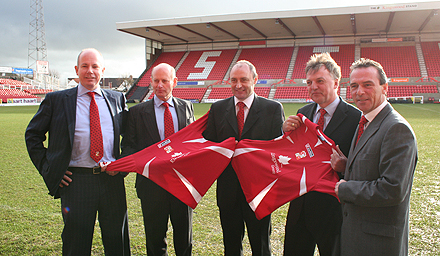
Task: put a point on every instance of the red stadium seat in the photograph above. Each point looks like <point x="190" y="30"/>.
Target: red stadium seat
<point x="397" y="61"/>
<point x="206" y="65"/>
<point x="431" y="54"/>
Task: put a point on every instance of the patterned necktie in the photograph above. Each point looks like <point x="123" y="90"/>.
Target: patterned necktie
<point x="362" y="123"/>
<point x="321" y="119"/>
<point x="168" y="120"/>
<point x="240" y="118"/>
<point x="96" y="147"/>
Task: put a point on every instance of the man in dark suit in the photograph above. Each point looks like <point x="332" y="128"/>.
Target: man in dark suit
<point x="376" y="188"/>
<point x="145" y="128"/>
<point x="262" y="120"/>
<point x="315" y="218"/>
<point x="67" y="166"/>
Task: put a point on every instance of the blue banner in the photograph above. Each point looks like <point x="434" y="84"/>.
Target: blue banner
<point x="187" y="83"/>
<point x="23" y="71"/>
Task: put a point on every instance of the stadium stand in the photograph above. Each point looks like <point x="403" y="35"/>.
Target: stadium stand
<point x="225" y="92"/>
<point x="271" y="63"/>
<point x="395" y="91"/>
<point x="140" y="89"/>
<point x="187" y="93"/>
<point x="13" y="83"/>
<point x="205" y="65"/>
<point x="6" y="94"/>
<point x="342" y="54"/>
<point x="171" y="58"/>
<point x="262" y="91"/>
<point x="291" y="92"/>
<point x="431" y="54"/>
<point x="409" y="90"/>
<point x="220" y="93"/>
<point x="304" y="53"/>
<point x="37" y="91"/>
<point x="397" y="61"/>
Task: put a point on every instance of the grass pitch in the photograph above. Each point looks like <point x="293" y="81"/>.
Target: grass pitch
<point x="31" y="221"/>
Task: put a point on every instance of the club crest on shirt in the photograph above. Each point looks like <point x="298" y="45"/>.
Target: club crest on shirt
<point x="168" y="149"/>
<point x="300" y="155"/>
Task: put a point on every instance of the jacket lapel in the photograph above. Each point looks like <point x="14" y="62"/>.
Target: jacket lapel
<point x="149" y="115"/>
<point x="310" y="112"/>
<point x="338" y="117"/>
<point x="70" y="111"/>
<point x="231" y="116"/>
<point x="252" y="117"/>
<point x="111" y="104"/>
<point x="368" y="133"/>
<point x="180" y="111"/>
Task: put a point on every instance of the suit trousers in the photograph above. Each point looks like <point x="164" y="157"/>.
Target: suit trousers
<point x="317" y="223"/>
<point x="156" y="214"/>
<point x="87" y="195"/>
<point x="232" y="219"/>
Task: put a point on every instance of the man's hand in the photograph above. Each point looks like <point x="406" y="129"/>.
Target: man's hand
<point x="66" y="179"/>
<point x="338" y="160"/>
<point x="291" y="123"/>
<point x="337" y="186"/>
<point x="104" y="167"/>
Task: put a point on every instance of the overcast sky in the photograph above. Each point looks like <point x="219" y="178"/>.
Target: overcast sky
<point x="74" y="25"/>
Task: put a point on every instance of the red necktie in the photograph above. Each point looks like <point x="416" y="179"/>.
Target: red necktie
<point x="96" y="147"/>
<point x="321" y="119"/>
<point x="362" y="123"/>
<point x="240" y="118"/>
<point x="168" y="120"/>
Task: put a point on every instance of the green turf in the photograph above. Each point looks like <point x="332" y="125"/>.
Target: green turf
<point x="31" y="222"/>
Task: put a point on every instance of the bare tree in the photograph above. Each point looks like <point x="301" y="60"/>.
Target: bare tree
<point x="54" y="73"/>
<point x="125" y="82"/>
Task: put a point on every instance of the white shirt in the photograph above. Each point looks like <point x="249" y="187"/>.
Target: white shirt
<point x="248" y="104"/>
<point x="159" y="110"/>
<point x="373" y="113"/>
<point x="81" y="141"/>
<point x="331" y="108"/>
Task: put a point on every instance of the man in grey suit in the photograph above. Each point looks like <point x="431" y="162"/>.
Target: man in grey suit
<point x="379" y="171"/>
<point x="69" y="169"/>
<point x="145" y="128"/>
<point x="315" y="218"/>
<point x="262" y="120"/>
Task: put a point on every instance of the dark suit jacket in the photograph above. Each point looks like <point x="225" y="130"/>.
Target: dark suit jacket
<point x="142" y="132"/>
<point x="264" y="122"/>
<point x="56" y="115"/>
<point x="379" y="174"/>
<point x="340" y="129"/>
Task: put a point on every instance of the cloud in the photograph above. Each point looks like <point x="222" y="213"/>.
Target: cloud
<point x="73" y="25"/>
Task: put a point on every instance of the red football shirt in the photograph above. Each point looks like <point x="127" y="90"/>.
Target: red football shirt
<point x="272" y="173"/>
<point x="185" y="164"/>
